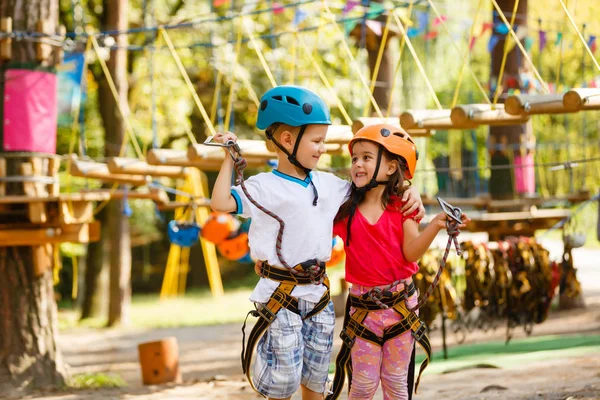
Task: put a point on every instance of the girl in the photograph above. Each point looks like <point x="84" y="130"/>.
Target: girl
<point x="382" y="247"/>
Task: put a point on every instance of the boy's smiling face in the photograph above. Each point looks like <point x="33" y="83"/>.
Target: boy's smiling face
<point x="312" y="144"/>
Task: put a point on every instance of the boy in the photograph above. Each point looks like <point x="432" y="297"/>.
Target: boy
<point x="294" y="308"/>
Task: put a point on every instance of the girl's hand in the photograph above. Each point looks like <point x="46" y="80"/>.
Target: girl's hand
<point x="440" y="221"/>
<point x="223" y="138"/>
<point x="412" y="201"/>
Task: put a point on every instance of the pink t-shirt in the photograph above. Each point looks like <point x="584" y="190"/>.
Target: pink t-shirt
<point x="375" y="256"/>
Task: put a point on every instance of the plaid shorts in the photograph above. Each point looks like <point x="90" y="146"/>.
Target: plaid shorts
<point x="294" y="352"/>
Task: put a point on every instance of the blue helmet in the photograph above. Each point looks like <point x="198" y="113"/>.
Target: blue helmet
<point x="292" y="105"/>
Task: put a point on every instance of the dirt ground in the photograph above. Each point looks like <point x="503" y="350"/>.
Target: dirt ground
<point x="210" y="359"/>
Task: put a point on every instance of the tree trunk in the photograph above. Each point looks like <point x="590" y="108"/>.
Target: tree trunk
<point x="503" y="139"/>
<point x="384" y="79"/>
<point x="95" y="288"/>
<point x="120" y="249"/>
<point x="29" y="355"/>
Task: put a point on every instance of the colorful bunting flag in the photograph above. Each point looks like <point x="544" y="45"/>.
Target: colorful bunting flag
<point x="350" y="4"/>
<point x="592" y="43"/>
<point x="219" y="3"/>
<point x="299" y="16"/>
<point x="528" y="43"/>
<point x="431" y="35"/>
<point x="472" y="43"/>
<point x="559" y="37"/>
<point x="439" y="20"/>
<point x="493" y="42"/>
<point x="375" y="10"/>
<point x="277" y="8"/>
<point x="542" y="37"/>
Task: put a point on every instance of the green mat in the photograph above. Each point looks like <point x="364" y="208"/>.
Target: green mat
<point x="518" y="352"/>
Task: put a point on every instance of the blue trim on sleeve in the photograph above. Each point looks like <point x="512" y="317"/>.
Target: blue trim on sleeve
<point x="238" y="201"/>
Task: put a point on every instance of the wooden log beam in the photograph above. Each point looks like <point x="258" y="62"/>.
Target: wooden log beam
<point x="170" y="206"/>
<point x="432" y="120"/>
<point x="581" y="99"/>
<point x="170" y="157"/>
<point x="100" y="171"/>
<point x="483" y="114"/>
<point x="535" y="104"/>
<point x="134" y="166"/>
<point x="155" y="194"/>
<point x="360" y="123"/>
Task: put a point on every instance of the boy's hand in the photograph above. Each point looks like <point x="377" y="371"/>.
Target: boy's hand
<point x="440" y="220"/>
<point x="223" y="138"/>
<point x="412" y="201"/>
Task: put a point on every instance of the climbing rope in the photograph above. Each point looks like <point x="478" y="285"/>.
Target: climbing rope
<point x="239" y="165"/>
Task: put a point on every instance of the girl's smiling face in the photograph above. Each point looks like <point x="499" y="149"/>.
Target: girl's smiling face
<point x="364" y="162"/>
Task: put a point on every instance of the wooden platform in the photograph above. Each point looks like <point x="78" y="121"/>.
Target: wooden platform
<point x="79" y="233"/>
<point x="517" y="223"/>
<point x="485" y="202"/>
<point x="100" y="171"/>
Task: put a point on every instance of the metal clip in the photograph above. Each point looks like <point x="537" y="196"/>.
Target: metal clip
<point x="232" y="147"/>
<point x="454" y="213"/>
<point x="348" y="341"/>
<point x="420" y="332"/>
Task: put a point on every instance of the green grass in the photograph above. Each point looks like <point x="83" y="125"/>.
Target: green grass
<point x="95" y="381"/>
<point x="195" y="308"/>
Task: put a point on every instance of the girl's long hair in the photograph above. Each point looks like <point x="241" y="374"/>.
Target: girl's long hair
<point x="394" y="187"/>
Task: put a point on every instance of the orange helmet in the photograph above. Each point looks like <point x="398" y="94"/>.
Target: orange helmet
<point x="394" y="139"/>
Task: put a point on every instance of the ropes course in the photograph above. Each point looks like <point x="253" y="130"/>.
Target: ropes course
<point x="138" y="167"/>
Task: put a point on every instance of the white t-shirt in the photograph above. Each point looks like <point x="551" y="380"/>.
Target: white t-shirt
<point x="308" y="228"/>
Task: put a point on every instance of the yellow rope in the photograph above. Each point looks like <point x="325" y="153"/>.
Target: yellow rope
<point x="418" y="62"/>
<point x="382" y="45"/>
<point x="214" y="106"/>
<point x="580" y="35"/>
<point x="325" y="81"/>
<point x="238" y="48"/>
<point x="499" y="85"/>
<point x="251" y="92"/>
<point x="523" y="51"/>
<point x="260" y="55"/>
<point x="188" y="82"/>
<point x="353" y="60"/>
<point x="124" y="115"/>
<point x="465" y="58"/>
<point x="399" y="64"/>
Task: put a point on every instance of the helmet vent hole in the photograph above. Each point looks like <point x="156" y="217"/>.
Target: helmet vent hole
<point x="263" y="105"/>
<point x="280" y="98"/>
<point x="292" y="100"/>
<point x="307" y="108"/>
<point x="385" y="132"/>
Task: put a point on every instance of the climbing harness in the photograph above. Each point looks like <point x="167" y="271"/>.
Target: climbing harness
<point x="310" y="272"/>
<point x="383" y="298"/>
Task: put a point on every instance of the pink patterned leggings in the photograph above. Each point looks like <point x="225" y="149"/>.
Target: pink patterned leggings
<point x="390" y="363"/>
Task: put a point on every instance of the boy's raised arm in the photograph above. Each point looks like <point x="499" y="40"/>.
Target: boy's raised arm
<point x="222" y="199"/>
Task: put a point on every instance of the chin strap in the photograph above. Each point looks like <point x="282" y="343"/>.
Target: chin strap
<point x="359" y="194"/>
<point x="294" y="161"/>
